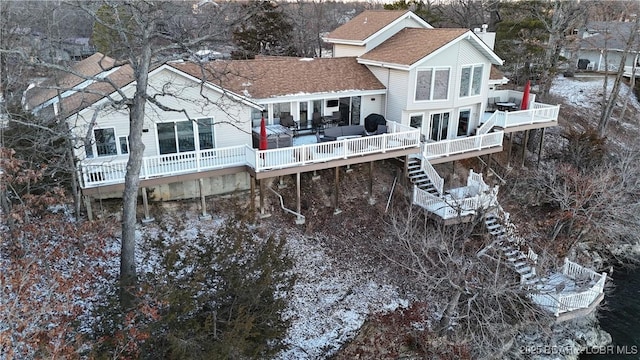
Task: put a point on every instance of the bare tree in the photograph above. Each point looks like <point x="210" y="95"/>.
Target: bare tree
<point x="559" y="18"/>
<point x="479" y="301"/>
<point x="609" y="100"/>
<point x="143" y="35"/>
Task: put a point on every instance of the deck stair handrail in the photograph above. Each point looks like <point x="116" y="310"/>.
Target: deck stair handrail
<point x="545" y="295"/>
<point x="456" y="204"/>
<point x="430" y="171"/>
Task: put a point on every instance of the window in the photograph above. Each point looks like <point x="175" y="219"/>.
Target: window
<point x="177" y="137"/>
<point x="105" y="142"/>
<point x="432" y="84"/>
<point x="470" y="80"/>
<point x="416" y="121"/>
<point x="205" y="133"/>
<point x="280" y="110"/>
<point x="124" y="144"/>
<point x="463" y="122"/>
<point x="438" y="127"/>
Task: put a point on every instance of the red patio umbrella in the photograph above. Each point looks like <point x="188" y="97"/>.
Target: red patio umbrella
<point x="525" y="96"/>
<point x="263" y="135"/>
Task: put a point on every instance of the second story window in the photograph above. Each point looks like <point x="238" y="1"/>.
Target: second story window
<point x="432" y="84"/>
<point x="471" y="80"/>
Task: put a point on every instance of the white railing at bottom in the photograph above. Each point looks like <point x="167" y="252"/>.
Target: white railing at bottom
<point x="561" y="303"/>
<point x="450" y="208"/>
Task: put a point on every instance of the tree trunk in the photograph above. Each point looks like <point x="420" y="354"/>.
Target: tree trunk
<point x="609" y="103"/>
<point x="448" y="312"/>
<point x="128" y="276"/>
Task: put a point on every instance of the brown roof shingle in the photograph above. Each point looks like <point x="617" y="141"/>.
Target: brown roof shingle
<point x="410" y="45"/>
<point x="271" y="77"/>
<point x="496" y="74"/>
<point x="366" y="24"/>
<point x="61" y="81"/>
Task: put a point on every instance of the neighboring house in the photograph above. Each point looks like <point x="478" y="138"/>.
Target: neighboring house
<point x="431" y="85"/>
<point x="602" y="43"/>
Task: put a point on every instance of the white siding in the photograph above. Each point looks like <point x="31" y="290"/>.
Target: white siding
<point x="397" y="94"/>
<point x="342" y="50"/>
<point x="185" y="96"/>
<point x="371" y="104"/>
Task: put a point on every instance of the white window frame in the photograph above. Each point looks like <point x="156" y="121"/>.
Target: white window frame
<point x="94" y="143"/>
<point x="469" y="90"/>
<point x="196" y="134"/>
<point x="460" y="111"/>
<point x="432" y="85"/>
<point x="430" y="122"/>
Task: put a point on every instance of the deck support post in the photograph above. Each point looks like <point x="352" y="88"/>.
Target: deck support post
<point x="489" y="158"/>
<point x="540" y="148"/>
<point x="406" y="166"/>
<point x="337" y="210"/>
<point x="510" y="143"/>
<point x="145" y="203"/>
<point x="298" y="193"/>
<point x="203" y="201"/>
<point x="263" y="215"/>
<point x="371" y="199"/>
<point x="252" y="200"/>
<point x="281" y="184"/>
<point x="525" y="140"/>
<point x="87" y="205"/>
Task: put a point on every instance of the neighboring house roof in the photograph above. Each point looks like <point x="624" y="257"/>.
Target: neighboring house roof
<point x="612" y="35"/>
<point x="275" y="77"/>
<point x="369" y="23"/>
<point x="410" y="45"/>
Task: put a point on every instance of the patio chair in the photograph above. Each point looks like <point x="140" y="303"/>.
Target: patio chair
<point x="316" y="121"/>
<point x="336" y="117"/>
<point x="287" y="121"/>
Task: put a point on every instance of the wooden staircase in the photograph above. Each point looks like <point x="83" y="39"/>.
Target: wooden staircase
<point x="510" y="248"/>
<point x="419" y="177"/>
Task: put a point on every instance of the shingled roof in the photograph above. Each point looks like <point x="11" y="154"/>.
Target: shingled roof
<point x="78" y="92"/>
<point x="281" y="76"/>
<point x="411" y="45"/>
<point x="366" y="24"/>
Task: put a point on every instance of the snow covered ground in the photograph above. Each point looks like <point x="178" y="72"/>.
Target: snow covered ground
<point x="329" y="302"/>
<point x="585" y="91"/>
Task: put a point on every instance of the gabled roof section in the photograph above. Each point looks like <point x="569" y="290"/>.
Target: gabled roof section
<point x="411" y="45"/>
<point x="368" y="24"/>
<point x="276" y="77"/>
<point x="496" y="76"/>
<point x="87" y="82"/>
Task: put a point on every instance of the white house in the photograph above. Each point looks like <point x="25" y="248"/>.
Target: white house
<point x="431" y="86"/>
<point x="600" y="46"/>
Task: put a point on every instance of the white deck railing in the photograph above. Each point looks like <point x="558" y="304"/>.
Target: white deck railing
<point x="539" y="113"/>
<point x="565" y="302"/>
<point x="460" y="201"/>
<point x="458" y="146"/>
<point x="333" y="150"/>
<point x="436" y="180"/>
<point x="106" y="171"/>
